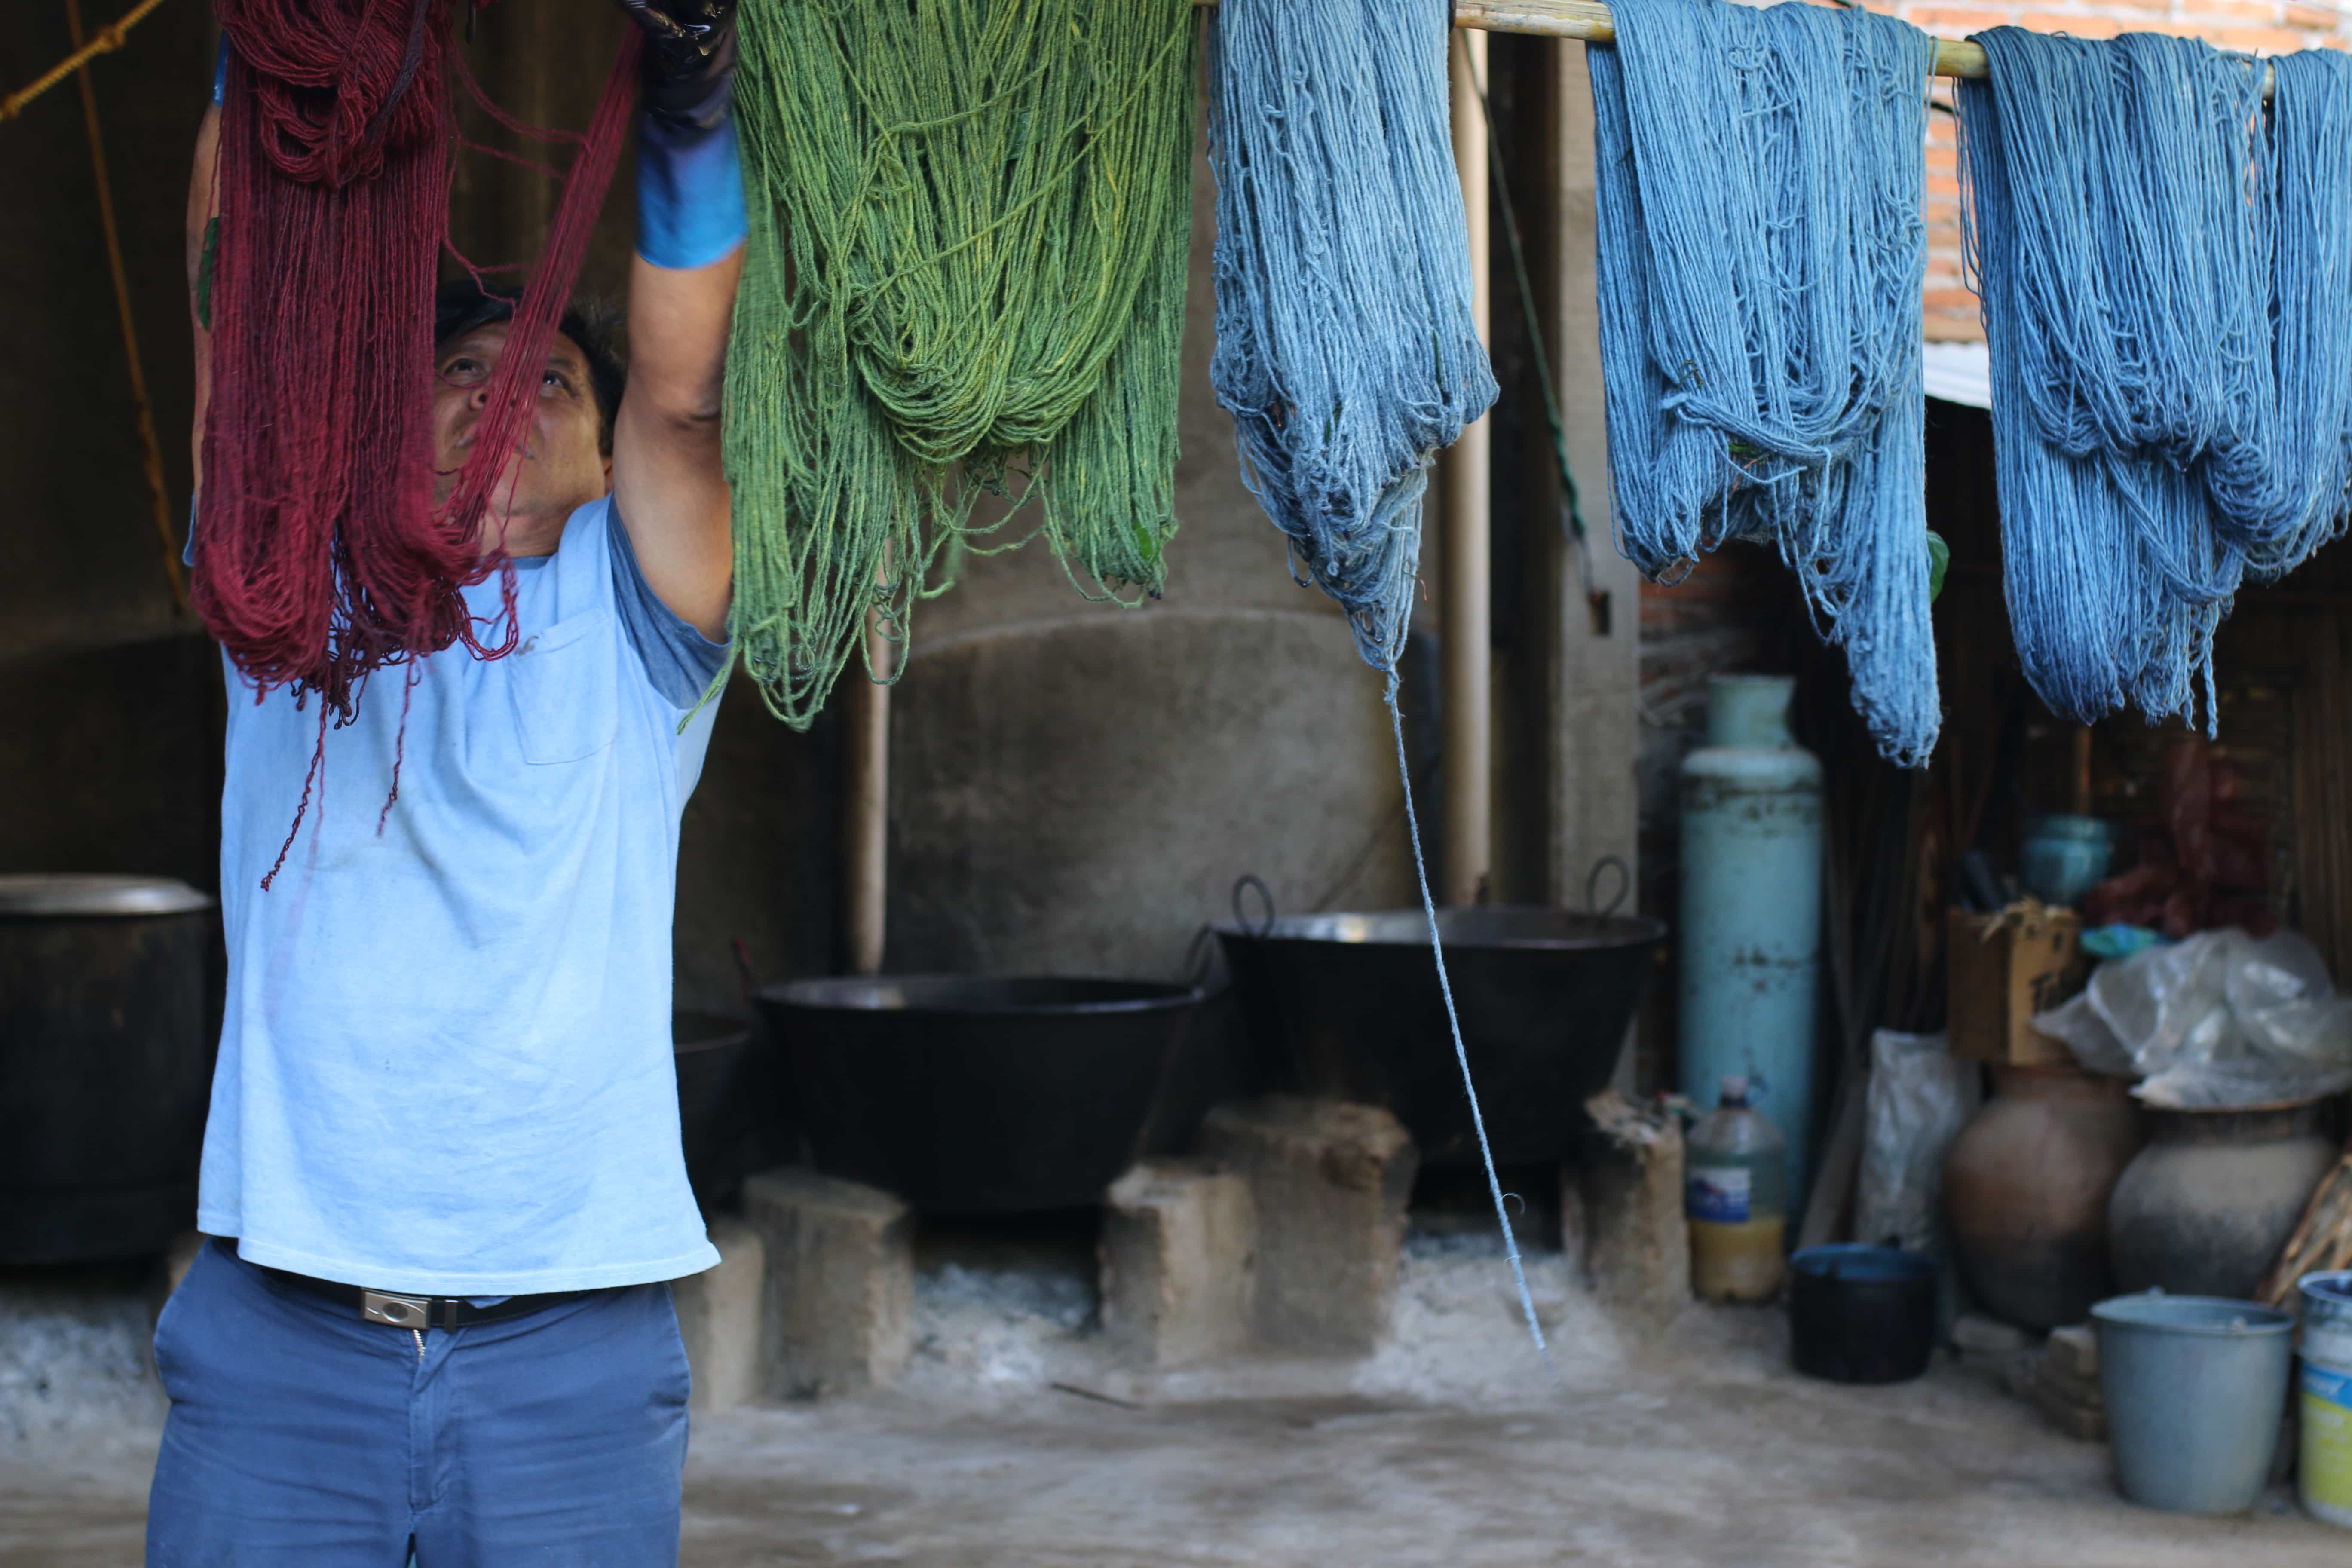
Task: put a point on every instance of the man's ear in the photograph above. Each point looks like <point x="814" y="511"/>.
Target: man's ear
<point x="608" y="473"/>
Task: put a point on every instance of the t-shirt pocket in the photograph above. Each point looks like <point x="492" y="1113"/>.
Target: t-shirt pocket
<point x="565" y="686"/>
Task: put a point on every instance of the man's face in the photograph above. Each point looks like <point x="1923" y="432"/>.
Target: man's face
<point x="559" y="467"/>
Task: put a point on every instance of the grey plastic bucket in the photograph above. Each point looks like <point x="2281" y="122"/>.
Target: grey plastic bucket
<point x="2195" y="1387"/>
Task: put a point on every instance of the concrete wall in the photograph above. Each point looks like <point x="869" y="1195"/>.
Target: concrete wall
<point x="1074" y="786"/>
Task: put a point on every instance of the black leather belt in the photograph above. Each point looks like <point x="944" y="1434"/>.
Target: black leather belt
<point x="402" y="1310"/>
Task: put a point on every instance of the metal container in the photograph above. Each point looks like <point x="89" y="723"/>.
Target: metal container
<point x="2205" y="1208"/>
<point x="1347" y="1006"/>
<point x="1750" y="910"/>
<point x="107" y="1039"/>
<point x="971" y="1095"/>
<point x="1861" y="1314"/>
<point x="2194" y="1387"/>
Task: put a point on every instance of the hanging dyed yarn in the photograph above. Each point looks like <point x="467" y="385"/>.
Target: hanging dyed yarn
<point x="1346" y="353"/>
<point x="1346" y="350"/>
<point x="966" y="261"/>
<point x="2167" y="279"/>
<point x="1761" y="255"/>
<point x="320" y="553"/>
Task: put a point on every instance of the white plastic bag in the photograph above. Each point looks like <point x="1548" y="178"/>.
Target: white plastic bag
<point x="1917" y="1100"/>
<point x="2221" y="1019"/>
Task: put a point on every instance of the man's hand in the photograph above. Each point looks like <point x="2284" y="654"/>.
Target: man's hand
<point x="668" y="483"/>
<point x="689" y="59"/>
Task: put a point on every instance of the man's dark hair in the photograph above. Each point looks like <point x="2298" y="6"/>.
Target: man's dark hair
<point x="594" y="329"/>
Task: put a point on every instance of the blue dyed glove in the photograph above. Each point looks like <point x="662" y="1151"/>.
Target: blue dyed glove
<point x="690" y="179"/>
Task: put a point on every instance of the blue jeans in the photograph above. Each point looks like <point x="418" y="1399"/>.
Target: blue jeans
<point x="302" y="1436"/>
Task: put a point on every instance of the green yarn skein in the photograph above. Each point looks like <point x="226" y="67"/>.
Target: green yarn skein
<point x="964" y="277"/>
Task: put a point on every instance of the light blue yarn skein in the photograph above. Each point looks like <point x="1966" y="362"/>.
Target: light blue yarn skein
<point x="1346" y="353"/>
<point x="1762" y="254"/>
<point x="2166" y="269"/>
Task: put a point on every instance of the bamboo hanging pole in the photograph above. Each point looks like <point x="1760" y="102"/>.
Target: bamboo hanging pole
<point x="1589" y="21"/>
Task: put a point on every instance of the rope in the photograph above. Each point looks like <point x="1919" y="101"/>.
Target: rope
<point x="1761" y="259"/>
<point x="2165" y="273"/>
<point x="106" y="40"/>
<point x="151" y="448"/>
<point x="964" y="278"/>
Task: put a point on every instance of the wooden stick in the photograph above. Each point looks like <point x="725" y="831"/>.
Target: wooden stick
<point x="2328" y="1220"/>
<point x="150" y="446"/>
<point x="104" y="41"/>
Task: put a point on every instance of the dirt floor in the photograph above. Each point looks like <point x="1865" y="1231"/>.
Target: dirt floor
<point x="1691" y="1445"/>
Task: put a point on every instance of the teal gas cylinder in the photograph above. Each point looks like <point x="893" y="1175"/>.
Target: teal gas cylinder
<point x="1752" y="909"/>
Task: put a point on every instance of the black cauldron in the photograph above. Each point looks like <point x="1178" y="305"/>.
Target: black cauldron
<point x="967" y="1095"/>
<point x="1347" y="1006"/>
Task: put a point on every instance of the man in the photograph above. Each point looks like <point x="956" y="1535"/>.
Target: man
<point x="442" y="1169"/>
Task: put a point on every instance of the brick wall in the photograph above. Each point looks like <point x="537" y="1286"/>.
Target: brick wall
<point x="2256" y="27"/>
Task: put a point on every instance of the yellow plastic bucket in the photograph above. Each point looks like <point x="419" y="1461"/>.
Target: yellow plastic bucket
<point x="2327" y="1395"/>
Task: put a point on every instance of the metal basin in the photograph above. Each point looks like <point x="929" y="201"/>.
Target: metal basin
<point x="724" y="1102"/>
<point x="1347" y="1006"/>
<point x="971" y="1095"/>
<point x="107" y="1029"/>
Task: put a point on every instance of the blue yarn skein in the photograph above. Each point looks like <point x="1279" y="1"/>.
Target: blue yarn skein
<point x="2166" y="272"/>
<point x="1761" y="255"/>
<point x="1346" y="351"/>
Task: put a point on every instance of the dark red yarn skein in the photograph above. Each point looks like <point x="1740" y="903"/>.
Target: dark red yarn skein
<point x="319" y="555"/>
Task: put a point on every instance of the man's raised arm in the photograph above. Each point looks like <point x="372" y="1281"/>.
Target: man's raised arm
<point x="669" y="484"/>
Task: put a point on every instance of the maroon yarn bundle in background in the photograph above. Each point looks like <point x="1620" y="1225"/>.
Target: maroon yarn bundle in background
<point x="321" y="556"/>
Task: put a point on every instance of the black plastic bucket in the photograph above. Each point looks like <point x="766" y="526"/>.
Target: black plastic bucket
<point x="1861" y="1314"/>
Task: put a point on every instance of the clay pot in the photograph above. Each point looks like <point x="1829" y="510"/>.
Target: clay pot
<point x="2206" y="1206"/>
<point x="2026" y="1185"/>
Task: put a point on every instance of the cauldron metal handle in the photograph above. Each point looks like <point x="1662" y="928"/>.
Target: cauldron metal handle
<point x="1246" y="880"/>
<point x="1592" y="885"/>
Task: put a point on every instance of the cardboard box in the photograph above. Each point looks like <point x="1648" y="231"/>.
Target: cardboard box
<point x="2005" y="968"/>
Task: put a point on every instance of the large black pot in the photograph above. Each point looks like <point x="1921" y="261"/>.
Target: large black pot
<point x="107" y="1039"/>
<point x="1347" y="1006"/>
<point x="967" y="1095"/>
<point x="726" y="1104"/>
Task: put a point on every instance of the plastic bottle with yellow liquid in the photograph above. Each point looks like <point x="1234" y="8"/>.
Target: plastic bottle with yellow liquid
<point x="1735" y="1195"/>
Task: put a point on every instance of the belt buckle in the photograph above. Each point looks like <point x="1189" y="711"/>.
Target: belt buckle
<point x="399" y="1311"/>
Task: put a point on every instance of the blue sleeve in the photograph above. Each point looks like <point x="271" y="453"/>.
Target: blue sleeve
<point x="679" y="659"/>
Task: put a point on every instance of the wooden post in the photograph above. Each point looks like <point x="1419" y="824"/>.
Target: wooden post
<point x="1468" y="653"/>
<point x="865" y="805"/>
